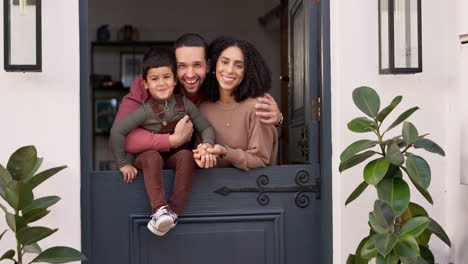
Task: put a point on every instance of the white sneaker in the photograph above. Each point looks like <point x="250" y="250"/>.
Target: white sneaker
<point x="161" y="222"/>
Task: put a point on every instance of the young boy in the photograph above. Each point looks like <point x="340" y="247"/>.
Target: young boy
<point x="159" y="114"/>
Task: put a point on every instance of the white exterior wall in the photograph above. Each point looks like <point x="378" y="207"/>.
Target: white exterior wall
<point x="437" y="91"/>
<point x="42" y="109"/>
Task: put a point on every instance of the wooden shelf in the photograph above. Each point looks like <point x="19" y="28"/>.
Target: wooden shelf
<point x="119" y="43"/>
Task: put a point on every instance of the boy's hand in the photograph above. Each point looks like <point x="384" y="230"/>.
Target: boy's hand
<point x="129" y="173"/>
<point x="202" y="157"/>
<point x="269" y="112"/>
<point x="182" y="132"/>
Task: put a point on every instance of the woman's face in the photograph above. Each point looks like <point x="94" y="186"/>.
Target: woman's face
<point x="230" y="68"/>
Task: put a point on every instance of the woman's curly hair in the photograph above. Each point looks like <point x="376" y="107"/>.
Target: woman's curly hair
<point x="257" y="77"/>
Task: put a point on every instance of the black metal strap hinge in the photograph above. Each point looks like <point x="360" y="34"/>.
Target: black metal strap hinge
<point x="301" y="189"/>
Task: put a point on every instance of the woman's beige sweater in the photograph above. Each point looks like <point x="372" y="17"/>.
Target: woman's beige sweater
<point x="251" y="144"/>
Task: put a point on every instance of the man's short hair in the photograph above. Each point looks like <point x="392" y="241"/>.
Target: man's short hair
<point x="157" y="57"/>
<point x="191" y="40"/>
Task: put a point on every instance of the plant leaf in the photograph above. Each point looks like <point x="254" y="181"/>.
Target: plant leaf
<point x="384" y="113"/>
<point x="422" y="191"/>
<point x="437" y="230"/>
<point x="394" y="155"/>
<point x="418" y="170"/>
<point x="383" y="213"/>
<point x="29" y="235"/>
<point x="21" y="162"/>
<point x="358" y="191"/>
<point x="389" y="259"/>
<point x="393" y="172"/>
<point x="376" y="170"/>
<point x="350" y="259"/>
<point x="396" y="192"/>
<point x="43" y="176"/>
<point x="415" y="226"/>
<point x="355" y="160"/>
<point x="429" y="145"/>
<point x="3" y="208"/>
<point x="369" y="250"/>
<point x="3" y="233"/>
<point x="417" y="210"/>
<point x="18" y="195"/>
<point x="5" y="179"/>
<point x="10" y="220"/>
<point x="15" y="222"/>
<point x="409" y="132"/>
<point x="367" y="100"/>
<point x="423" y="239"/>
<point x="357" y="258"/>
<point x="33" y="248"/>
<point x="409" y="260"/>
<point x="59" y="255"/>
<point x="406" y="246"/>
<point x="375" y="226"/>
<point x="385" y="243"/>
<point x="44" y="202"/>
<point x="356" y="147"/>
<point x="34" y="169"/>
<point x="361" y="125"/>
<point x="8" y="255"/>
<point x="426" y="255"/>
<point x="35" y="214"/>
<point x="402" y="118"/>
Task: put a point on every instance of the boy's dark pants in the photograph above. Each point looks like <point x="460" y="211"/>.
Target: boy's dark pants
<point x="152" y="163"/>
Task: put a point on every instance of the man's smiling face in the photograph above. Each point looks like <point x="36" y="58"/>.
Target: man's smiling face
<point x="191" y="67"/>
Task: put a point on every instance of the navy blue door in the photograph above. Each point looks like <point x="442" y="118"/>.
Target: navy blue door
<point x="269" y="216"/>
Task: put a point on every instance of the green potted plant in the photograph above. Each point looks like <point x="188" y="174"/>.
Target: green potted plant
<point x="400" y="230"/>
<point x="17" y="182"/>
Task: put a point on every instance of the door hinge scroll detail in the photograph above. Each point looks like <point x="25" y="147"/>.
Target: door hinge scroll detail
<point x="301" y="189"/>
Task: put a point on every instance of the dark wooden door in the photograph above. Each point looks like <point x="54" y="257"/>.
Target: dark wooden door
<point x="269" y="215"/>
<point x="304" y="81"/>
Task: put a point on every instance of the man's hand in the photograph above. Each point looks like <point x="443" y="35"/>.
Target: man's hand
<point x="129" y="173"/>
<point x="182" y="132"/>
<point x="269" y="112"/>
<point x="202" y="157"/>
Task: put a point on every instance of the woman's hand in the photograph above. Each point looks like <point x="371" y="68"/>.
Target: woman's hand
<point x="202" y="157"/>
<point x="217" y="150"/>
<point x="129" y="173"/>
<point x="269" y="112"/>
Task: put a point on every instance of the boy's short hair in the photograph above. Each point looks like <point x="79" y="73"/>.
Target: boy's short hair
<point x="191" y="40"/>
<point x="157" y="57"/>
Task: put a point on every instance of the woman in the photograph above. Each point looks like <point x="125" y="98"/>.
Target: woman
<point x="239" y="75"/>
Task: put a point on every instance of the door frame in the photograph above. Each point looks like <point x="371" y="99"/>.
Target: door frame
<point x="325" y="131"/>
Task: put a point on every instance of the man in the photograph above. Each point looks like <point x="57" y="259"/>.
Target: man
<point x="190" y="52"/>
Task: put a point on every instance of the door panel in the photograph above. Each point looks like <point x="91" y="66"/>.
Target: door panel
<point x="269" y="215"/>
<point x="304" y="61"/>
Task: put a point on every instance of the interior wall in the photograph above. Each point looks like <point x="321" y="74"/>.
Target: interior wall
<point x="354" y="38"/>
<point x="42" y="109"/>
